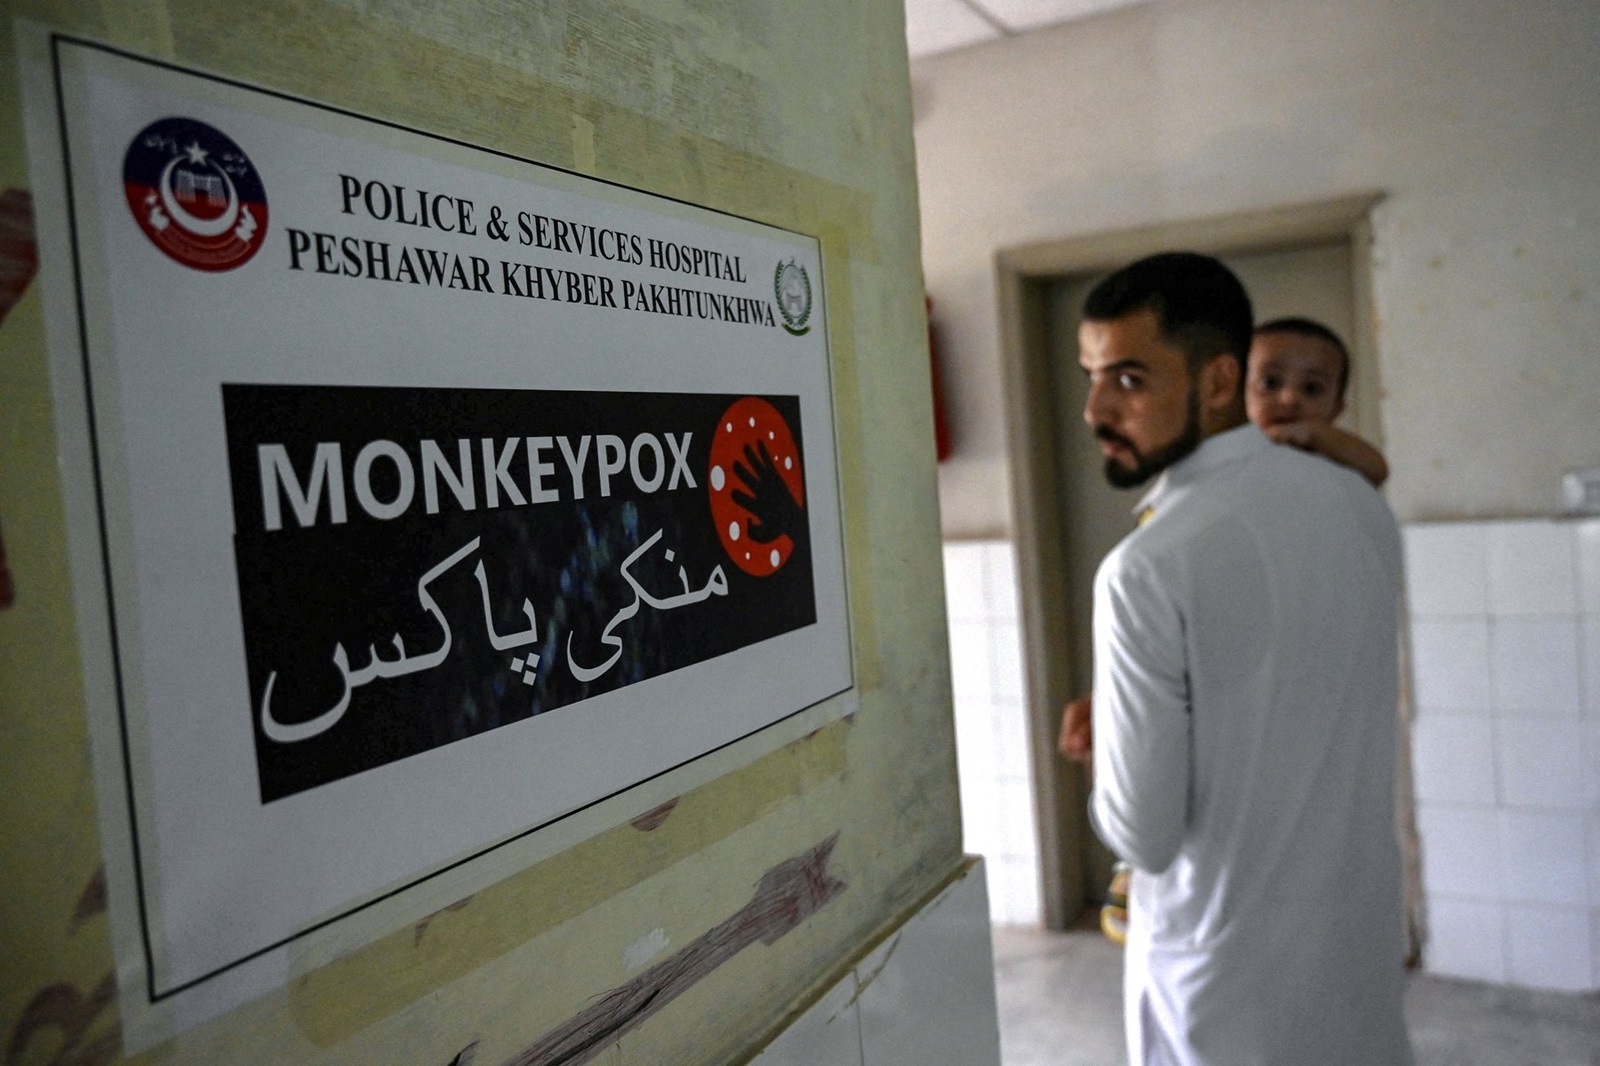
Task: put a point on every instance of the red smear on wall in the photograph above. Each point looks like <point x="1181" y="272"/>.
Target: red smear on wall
<point x="8" y="591"/>
<point x="941" y="426"/>
<point x="19" y="252"/>
<point x="19" y="261"/>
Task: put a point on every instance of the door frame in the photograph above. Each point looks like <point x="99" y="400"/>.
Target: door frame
<point x="1024" y="275"/>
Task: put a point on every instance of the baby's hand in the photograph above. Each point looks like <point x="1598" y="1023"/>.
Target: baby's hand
<point x="1335" y="445"/>
<point x="1295" y="434"/>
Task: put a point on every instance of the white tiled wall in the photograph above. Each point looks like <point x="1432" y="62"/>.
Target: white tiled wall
<point x="924" y="997"/>
<point x="1505" y="636"/>
<point x="997" y="817"/>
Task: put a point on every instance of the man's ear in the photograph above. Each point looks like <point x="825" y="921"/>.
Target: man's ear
<point x="1221" y="379"/>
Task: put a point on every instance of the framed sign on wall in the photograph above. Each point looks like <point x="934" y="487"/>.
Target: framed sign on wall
<point x="426" y="496"/>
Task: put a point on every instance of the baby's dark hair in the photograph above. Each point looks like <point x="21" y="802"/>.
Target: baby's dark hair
<point x="1307" y="327"/>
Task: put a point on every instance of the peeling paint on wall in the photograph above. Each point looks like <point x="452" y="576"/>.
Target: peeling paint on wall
<point x="654" y="818"/>
<point x="62" y="1015"/>
<point x="65" y="1011"/>
<point x="351" y="993"/>
<point x="92" y="901"/>
<point x="788" y="894"/>
<point x="644" y="949"/>
<point x="422" y="926"/>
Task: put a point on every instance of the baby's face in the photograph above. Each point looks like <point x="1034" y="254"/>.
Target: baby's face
<point x="1292" y="378"/>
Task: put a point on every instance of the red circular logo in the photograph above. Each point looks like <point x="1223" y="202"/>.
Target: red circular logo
<point x="195" y="194"/>
<point x="757" y="487"/>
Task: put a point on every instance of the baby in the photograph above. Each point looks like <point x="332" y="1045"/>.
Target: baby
<point x="1294" y="389"/>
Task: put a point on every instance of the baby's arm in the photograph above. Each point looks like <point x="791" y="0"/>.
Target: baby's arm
<point x="1333" y="443"/>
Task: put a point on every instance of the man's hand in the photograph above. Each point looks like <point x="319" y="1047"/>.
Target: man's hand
<point x="1077" y="731"/>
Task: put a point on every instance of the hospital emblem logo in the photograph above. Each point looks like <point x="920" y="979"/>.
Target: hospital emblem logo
<point x="792" y="287"/>
<point x="195" y="194"/>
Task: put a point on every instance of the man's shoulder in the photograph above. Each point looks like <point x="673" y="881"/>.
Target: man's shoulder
<point x="1310" y="480"/>
<point x="1272" y="489"/>
<point x="1279" y="474"/>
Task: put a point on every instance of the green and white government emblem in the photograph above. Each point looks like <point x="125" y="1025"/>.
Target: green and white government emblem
<point x="792" y="286"/>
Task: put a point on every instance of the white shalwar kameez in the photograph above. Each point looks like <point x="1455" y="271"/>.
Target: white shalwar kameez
<point x="1244" y="749"/>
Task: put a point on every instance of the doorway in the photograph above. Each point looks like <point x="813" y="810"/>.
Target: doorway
<point x="1311" y="260"/>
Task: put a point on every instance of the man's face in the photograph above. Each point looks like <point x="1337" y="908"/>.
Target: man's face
<point x="1143" y="403"/>
<point x="1292" y="378"/>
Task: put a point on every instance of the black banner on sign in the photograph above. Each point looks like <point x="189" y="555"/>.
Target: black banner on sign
<point x="418" y="566"/>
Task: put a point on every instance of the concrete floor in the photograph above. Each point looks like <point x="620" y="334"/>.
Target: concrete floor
<point x="1060" y="1000"/>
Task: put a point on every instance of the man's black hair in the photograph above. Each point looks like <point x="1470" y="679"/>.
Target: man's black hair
<point x="1200" y="306"/>
<point x="1308" y="327"/>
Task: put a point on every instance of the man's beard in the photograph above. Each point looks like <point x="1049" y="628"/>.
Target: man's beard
<point x="1146" y="467"/>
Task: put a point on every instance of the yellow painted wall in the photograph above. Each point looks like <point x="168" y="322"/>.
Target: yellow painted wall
<point x="793" y="114"/>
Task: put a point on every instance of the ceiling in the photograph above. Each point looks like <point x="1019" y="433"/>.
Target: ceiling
<point x="934" y="26"/>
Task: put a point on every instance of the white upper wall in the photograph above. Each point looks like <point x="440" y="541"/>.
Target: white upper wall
<point x="1478" y="120"/>
<point x="934" y="26"/>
